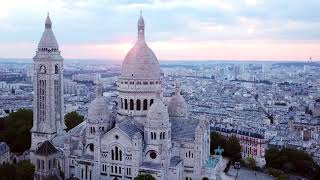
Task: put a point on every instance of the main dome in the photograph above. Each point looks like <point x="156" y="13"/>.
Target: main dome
<point x="140" y="62"/>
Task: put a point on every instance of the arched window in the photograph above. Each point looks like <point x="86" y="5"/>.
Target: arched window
<point x="56" y="69"/>
<point x="116" y="154"/>
<point x="125" y="104"/>
<point x="160" y="135"/>
<point x="145" y="104"/>
<point x="151" y="102"/>
<point x="163" y="135"/>
<point x="138" y="104"/>
<point x="42" y="69"/>
<point x="131" y="104"/>
<point x="121" y="103"/>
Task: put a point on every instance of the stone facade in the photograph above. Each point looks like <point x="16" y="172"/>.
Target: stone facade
<point x="4" y="153"/>
<point x="141" y="137"/>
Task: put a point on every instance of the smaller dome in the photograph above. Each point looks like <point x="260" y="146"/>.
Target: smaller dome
<point x="98" y="108"/>
<point x="177" y="105"/>
<point x="158" y="111"/>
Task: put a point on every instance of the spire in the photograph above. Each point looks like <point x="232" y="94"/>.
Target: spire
<point x="48" y="23"/>
<point x="158" y="97"/>
<point x="48" y="41"/>
<point x="140" y="27"/>
<point x="178" y="89"/>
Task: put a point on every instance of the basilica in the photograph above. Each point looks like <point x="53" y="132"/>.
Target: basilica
<point x="145" y="134"/>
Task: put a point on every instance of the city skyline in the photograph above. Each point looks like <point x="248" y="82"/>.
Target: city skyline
<point x="176" y="30"/>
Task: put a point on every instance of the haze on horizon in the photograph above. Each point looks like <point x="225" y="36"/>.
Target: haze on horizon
<point x="175" y="29"/>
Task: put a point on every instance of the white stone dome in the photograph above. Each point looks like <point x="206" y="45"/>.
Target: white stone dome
<point x="140" y="62"/>
<point x="177" y="106"/>
<point x="158" y="111"/>
<point x="98" y="110"/>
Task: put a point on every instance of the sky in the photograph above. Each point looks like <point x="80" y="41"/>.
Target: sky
<point x="175" y="29"/>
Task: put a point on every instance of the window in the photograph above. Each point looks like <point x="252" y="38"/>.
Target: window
<point x="42" y="69"/>
<point x="153" y="155"/>
<point x="38" y="164"/>
<point x="56" y="69"/>
<point x="125" y="104"/>
<point x="104" y="167"/>
<point x="153" y="135"/>
<point x="145" y="104"/>
<point x="116" y="154"/>
<point x="162" y="135"/>
<point x="138" y="104"/>
<point x="92" y="130"/>
<point x="151" y="102"/>
<point x="131" y="104"/>
<point x="121" y="103"/>
<point x="81" y="173"/>
<point x="128" y="171"/>
<point x="42" y="164"/>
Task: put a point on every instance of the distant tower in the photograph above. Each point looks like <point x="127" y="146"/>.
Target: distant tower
<point x="48" y="105"/>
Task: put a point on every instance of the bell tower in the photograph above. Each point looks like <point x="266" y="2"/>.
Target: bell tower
<point x="48" y="104"/>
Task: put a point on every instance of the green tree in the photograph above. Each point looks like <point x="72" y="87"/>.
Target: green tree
<point x="72" y="119"/>
<point x="291" y="161"/>
<point x="16" y="130"/>
<point x="216" y="140"/>
<point x="233" y="148"/>
<point x="25" y="170"/>
<point x="22" y="171"/>
<point x="250" y="163"/>
<point x="231" y="145"/>
<point x="7" y="172"/>
<point x="144" y="177"/>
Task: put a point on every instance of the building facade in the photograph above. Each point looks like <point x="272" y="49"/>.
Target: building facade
<point x="143" y="136"/>
<point x="252" y="144"/>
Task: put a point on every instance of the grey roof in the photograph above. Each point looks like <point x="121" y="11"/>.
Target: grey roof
<point x="46" y="149"/>
<point x="174" y="161"/>
<point x="129" y="127"/>
<point x="4" y="148"/>
<point x="59" y="141"/>
<point x="151" y="165"/>
<point x="79" y="130"/>
<point x="48" y="40"/>
<point x="183" y="128"/>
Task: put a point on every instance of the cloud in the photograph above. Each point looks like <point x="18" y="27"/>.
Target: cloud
<point x="99" y="24"/>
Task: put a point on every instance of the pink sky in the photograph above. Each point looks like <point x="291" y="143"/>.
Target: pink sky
<point x="181" y="50"/>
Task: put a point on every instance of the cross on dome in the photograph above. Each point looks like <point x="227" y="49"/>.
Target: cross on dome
<point x="48" y="22"/>
<point x="178" y="89"/>
<point x="99" y="89"/>
<point x="140" y="27"/>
